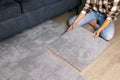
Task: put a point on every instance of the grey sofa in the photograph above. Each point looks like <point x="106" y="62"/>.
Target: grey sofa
<point x="18" y="15"/>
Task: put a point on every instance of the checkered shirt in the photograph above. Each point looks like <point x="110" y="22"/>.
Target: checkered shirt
<point x="110" y="7"/>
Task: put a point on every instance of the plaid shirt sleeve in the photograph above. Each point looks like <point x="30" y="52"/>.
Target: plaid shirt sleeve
<point x="87" y="7"/>
<point x="114" y="10"/>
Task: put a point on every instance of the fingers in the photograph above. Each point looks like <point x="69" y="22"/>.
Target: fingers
<point x="96" y="34"/>
<point x="70" y="28"/>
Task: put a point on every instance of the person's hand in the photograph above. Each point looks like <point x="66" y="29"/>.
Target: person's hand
<point x="72" y="26"/>
<point x="97" y="33"/>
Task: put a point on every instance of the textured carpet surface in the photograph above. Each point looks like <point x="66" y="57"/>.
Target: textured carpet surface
<point x="78" y="47"/>
<point x="23" y="58"/>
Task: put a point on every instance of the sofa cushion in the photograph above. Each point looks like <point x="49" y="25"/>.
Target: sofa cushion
<point x="9" y="11"/>
<point x="36" y="4"/>
<point x="5" y="2"/>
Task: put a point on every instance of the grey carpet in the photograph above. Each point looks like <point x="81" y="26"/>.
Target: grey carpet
<point x="78" y="47"/>
<point x="45" y="33"/>
<point x="23" y="58"/>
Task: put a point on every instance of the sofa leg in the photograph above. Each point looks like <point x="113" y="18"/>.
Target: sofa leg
<point x="70" y="10"/>
<point x="77" y="10"/>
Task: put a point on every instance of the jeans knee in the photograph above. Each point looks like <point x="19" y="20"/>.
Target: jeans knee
<point x="107" y="37"/>
<point x="71" y="20"/>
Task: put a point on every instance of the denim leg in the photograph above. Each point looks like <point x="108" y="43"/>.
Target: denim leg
<point x="87" y="19"/>
<point x="108" y="32"/>
<point x="71" y="20"/>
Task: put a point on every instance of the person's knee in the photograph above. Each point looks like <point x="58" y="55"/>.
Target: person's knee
<point x="71" y="20"/>
<point x="107" y="37"/>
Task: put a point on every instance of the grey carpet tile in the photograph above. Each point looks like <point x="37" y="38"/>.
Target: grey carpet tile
<point x="46" y="32"/>
<point x="78" y="47"/>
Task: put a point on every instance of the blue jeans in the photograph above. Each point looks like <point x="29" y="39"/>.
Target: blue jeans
<point x="106" y="34"/>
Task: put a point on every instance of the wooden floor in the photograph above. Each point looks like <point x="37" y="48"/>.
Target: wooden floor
<point x="107" y="65"/>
